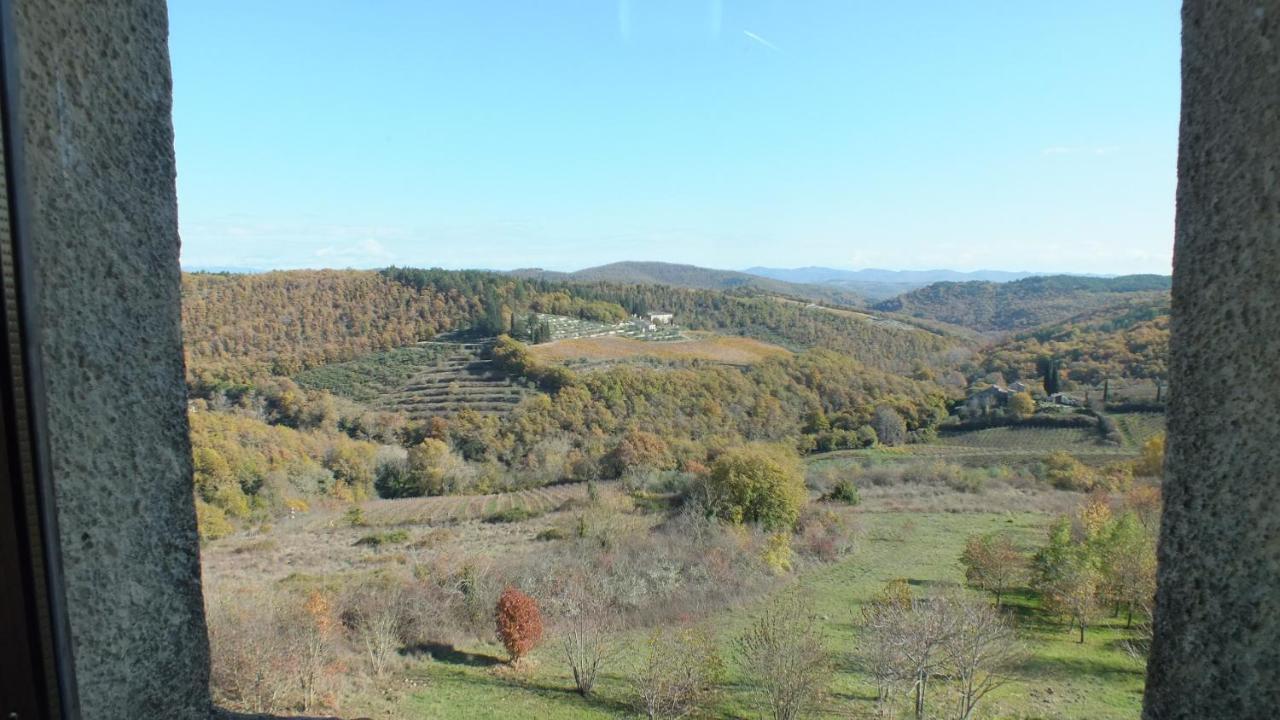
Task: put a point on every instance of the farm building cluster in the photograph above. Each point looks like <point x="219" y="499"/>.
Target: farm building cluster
<point x="650" y="326"/>
<point x="984" y="398"/>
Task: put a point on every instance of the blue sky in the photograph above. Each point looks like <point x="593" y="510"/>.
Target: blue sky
<point x="848" y="133"/>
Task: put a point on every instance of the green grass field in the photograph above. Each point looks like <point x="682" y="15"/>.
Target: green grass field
<point x="1016" y="445"/>
<point x="1059" y="679"/>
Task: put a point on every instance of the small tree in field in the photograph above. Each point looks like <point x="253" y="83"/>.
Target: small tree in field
<point x="979" y="649"/>
<point x="992" y="563"/>
<point x="1068" y="577"/>
<point x="519" y="623"/>
<point x="784" y="655"/>
<point x="677" y="675"/>
<point x="585" y="634"/>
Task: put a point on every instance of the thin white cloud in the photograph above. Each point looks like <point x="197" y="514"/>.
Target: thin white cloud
<point x="624" y="19"/>
<point x="761" y="40"/>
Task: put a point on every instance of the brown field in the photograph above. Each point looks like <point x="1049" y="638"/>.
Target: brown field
<point x="715" y="348"/>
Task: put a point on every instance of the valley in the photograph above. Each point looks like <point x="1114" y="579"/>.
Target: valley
<point x="380" y="456"/>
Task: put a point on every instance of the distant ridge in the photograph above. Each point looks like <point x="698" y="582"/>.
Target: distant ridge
<point x="695" y="277"/>
<point x="1022" y="304"/>
<point x="875" y="284"/>
<point x="815" y="274"/>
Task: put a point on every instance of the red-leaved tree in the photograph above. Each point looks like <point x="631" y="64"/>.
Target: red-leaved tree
<point x="519" y="623"/>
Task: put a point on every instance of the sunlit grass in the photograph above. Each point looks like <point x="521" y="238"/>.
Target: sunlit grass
<point x="1060" y="678"/>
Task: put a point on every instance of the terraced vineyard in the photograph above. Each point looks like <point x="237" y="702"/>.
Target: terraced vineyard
<point x="460" y="379"/>
<point x="429" y="379"/>
<point x="458" y="508"/>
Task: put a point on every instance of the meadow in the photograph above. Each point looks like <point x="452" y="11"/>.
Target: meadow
<point x="724" y="349"/>
<point x="1059" y="679"/>
<point x="469" y="678"/>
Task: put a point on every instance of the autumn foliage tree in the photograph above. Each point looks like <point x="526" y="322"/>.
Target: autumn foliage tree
<point x="1021" y="405"/>
<point x="758" y="483"/>
<point x="519" y="623"/>
<point x="639" y="450"/>
<point x="992" y="563"/>
<point x="1151" y="463"/>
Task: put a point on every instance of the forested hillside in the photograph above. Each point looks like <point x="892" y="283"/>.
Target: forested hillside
<point x="279" y="323"/>
<point x="1129" y="340"/>
<point x="332" y="357"/>
<point x="236" y="326"/>
<point x="1022" y="304"/>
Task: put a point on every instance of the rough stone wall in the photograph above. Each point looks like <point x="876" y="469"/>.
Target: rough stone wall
<point x="1217" y="631"/>
<point x="95" y="114"/>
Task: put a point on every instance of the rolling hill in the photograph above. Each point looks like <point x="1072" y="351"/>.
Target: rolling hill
<point x="1022" y="304"/>
<point x="1126" y="341"/>
<point x="695" y="278"/>
<point x="876" y="285"/>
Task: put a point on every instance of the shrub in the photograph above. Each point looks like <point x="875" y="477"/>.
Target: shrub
<point x="251" y="664"/>
<point x="777" y="553"/>
<point x="678" y="673"/>
<point x="844" y="491"/>
<point x="354" y="516"/>
<point x="518" y="513"/>
<point x="1065" y="472"/>
<point x="757" y="483"/>
<point x="824" y="534"/>
<point x="519" y="623"/>
<point x="552" y="533"/>
<point x="1117" y="477"/>
<point x="377" y="621"/>
<point x="377" y="540"/>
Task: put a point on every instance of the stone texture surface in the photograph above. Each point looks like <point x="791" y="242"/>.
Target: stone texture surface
<point x="95" y="115"/>
<point x="1217" y="642"/>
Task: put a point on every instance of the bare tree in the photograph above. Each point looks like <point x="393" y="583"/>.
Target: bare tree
<point x="909" y="643"/>
<point x="586" y="625"/>
<point x="678" y="673"/>
<point x="925" y="625"/>
<point x="252" y="662"/>
<point x="376" y="620"/>
<point x="784" y="654"/>
<point x="882" y="623"/>
<point x="978" y="650"/>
